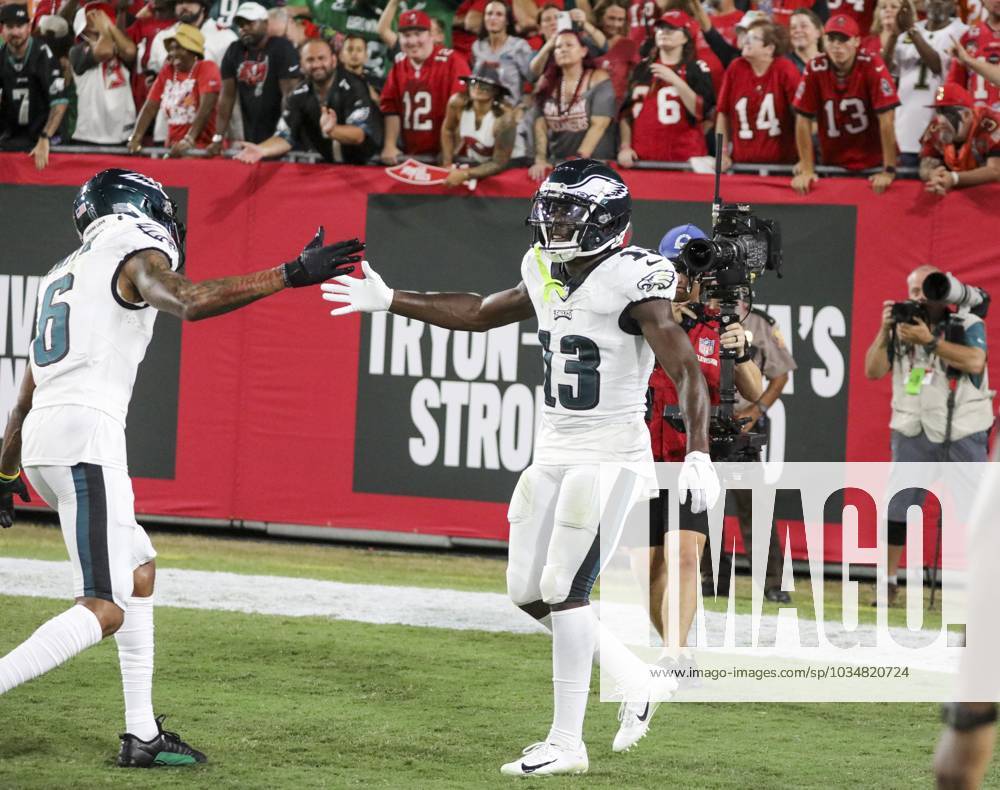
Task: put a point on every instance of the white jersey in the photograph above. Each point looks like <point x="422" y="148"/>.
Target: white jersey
<point x="88" y="345"/>
<point x="917" y="84"/>
<point x="596" y="362"/>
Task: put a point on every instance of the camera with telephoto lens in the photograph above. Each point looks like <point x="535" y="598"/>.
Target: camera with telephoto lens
<point x="947" y="288"/>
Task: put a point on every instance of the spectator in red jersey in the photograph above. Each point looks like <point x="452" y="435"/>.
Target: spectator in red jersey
<point x="670" y="96"/>
<point x="188" y="87"/>
<point x="642" y="14"/>
<point x="712" y="46"/>
<point x="725" y="17"/>
<point x="805" y="31"/>
<point x="498" y="48"/>
<point x="861" y="11"/>
<point x="756" y="99"/>
<point x="961" y="147"/>
<point x="623" y="53"/>
<point x="981" y="42"/>
<point x="479" y="129"/>
<point x="989" y="71"/>
<point x="465" y="26"/>
<point x="259" y="71"/>
<point x="575" y="104"/>
<point x="416" y="93"/>
<point x="852" y="98"/>
<point x="142" y="32"/>
<point x="782" y="11"/>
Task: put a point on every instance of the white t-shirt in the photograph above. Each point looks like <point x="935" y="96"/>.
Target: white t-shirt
<point x="917" y="84"/>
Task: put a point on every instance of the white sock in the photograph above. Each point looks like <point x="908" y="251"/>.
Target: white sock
<point x="572" y="659"/>
<point x="135" y="655"/>
<point x="630" y="672"/>
<point x="54" y="643"/>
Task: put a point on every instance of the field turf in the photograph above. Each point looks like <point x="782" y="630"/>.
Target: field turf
<point x="309" y="702"/>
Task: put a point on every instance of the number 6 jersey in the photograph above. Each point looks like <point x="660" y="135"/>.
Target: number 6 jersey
<point x="596" y="362"/>
<point x="88" y="345"/>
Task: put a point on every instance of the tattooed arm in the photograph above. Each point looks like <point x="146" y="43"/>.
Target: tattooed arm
<point x="147" y="277"/>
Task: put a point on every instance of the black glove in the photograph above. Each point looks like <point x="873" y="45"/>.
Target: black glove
<point x="318" y="263"/>
<point x="7" y="490"/>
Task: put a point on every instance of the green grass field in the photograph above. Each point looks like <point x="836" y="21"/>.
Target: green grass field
<point x="312" y="702"/>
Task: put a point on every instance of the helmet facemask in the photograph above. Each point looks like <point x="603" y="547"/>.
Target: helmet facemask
<point x="567" y="226"/>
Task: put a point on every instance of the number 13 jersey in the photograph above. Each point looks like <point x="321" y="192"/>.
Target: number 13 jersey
<point x="596" y="364"/>
<point x="88" y="345"/>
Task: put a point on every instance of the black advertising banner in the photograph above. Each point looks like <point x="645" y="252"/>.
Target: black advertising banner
<point x="37" y="229"/>
<point x="451" y="414"/>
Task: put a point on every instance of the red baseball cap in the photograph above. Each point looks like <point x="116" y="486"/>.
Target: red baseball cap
<point x="414" y="20"/>
<point x="680" y="20"/>
<point x="843" y="24"/>
<point x="951" y="94"/>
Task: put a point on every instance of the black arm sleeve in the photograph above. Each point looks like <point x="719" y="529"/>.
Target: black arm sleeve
<point x="701" y="83"/>
<point x="723" y="50"/>
<point x="822" y="9"/>
<point x="81" y="58"/>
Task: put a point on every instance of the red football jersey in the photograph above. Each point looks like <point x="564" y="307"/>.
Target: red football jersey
<point x="782" y="10"/>
<point x="846" y="109"/>
<point x="419" y="95"/>
<point x="662" y="129"/>
<point x="982" y="42"/>
<point x="726" y="24"/>
<point x="641" y="16"/>
<point x="759" y="110"/>
<point x="981" y="144"/>
<point x="862" y="11"/>
<point x="669" y="444"/>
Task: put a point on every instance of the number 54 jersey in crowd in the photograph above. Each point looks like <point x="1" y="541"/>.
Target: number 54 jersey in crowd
<point x="88" y="345"/>
<point x="596" y="361"/>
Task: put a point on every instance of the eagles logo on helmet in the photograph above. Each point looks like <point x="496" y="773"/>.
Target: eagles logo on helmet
<point x="117" y="191"/>
<point x="583" y="208"/>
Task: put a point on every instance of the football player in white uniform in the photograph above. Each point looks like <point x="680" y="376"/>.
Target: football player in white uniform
<point x="603" y="309"/>
<point x="96" y="310"/>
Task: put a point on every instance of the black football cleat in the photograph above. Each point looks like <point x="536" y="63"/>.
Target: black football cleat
<point x="167" y="748"/>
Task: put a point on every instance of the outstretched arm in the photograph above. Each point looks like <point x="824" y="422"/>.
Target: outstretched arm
<point x="463" y="311"/>
<point x="147" y="277"/>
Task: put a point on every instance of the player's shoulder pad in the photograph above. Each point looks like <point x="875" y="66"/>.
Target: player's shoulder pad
<point x="642" y="272"/>
<point x="127" y="234"/>
<point x="766" y="316"/>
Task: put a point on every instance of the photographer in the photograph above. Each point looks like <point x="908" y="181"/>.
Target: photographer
<point x="669" y="444"/>
<point x="941" y="403"/>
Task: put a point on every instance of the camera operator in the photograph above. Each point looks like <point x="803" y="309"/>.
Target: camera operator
<point x="687" y="542"/>
<point x="941" y="403"/>
<point x="769" y="352"/>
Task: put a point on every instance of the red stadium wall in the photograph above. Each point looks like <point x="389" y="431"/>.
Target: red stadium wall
<point x="267" y="396"/>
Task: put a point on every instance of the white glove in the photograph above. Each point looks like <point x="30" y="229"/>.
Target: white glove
<point x="368" y="295"/>
<point x="699" y="478"/>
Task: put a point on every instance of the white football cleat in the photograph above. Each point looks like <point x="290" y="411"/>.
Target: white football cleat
<point x="635" y="716"/>
<point x="546" y="759"/>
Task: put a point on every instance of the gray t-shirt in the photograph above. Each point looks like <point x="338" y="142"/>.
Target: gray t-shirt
<point x="512" y="61"/>
<point x="568" y="125"/>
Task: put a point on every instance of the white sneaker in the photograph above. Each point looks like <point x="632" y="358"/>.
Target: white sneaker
<point x="636" y="716"/>
<point x="546" y="759"/>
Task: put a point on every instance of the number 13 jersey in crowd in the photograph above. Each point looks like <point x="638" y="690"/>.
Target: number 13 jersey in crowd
<point x="846" y="108"/>
<point x="88" y="345"/>
<point x="596" y="363"/>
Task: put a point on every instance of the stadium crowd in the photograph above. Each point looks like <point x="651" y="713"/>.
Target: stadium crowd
<point x="854" y="84"/>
